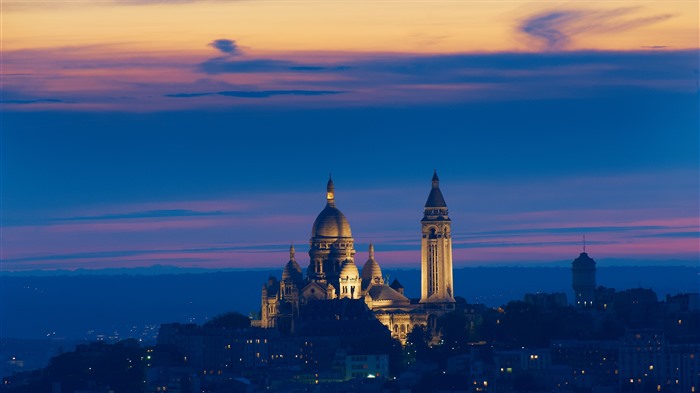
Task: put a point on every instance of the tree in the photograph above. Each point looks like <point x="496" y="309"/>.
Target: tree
<point x="454" y="330"/>
<point x="231" y="320"/>
<point x="417" y="344"/>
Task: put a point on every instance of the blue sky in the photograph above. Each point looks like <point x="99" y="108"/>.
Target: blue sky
<point x="212" y="148"/>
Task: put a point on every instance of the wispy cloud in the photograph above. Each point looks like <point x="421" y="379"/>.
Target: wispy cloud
<point x="68" y="75"/>
<point x="112" y="254"/>
<point x="509" y="225"/>
<point x="165" y="213"/>
<point x="226" y="46"/>
<point x="557" y="28"/>
<point x="257" y="94"/>
<point x="225" y="65"/>
<point x="673" y="234"/>
<point x="32" y="101"/>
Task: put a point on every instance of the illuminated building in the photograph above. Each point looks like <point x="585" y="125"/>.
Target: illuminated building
<point x="366" y="366"/>
<point x="436" y="249"/>
<point x="333" y="274"/>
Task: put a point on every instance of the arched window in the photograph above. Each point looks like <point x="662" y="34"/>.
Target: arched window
<point x="433" y="233"/>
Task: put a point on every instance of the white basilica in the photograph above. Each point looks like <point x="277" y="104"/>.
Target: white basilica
<point x="333" y="274"/>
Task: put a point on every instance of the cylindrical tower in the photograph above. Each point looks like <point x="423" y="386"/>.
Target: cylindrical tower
<point x="583" y="280"/>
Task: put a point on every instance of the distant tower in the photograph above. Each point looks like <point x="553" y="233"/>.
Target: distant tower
<point x="436" y="249"/>
<point x="583" y="279"/>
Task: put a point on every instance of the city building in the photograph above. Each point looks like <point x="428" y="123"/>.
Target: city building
<point x="592" y="363"/>
<point x="583" y="280"/>
<point x="333" y="274"/>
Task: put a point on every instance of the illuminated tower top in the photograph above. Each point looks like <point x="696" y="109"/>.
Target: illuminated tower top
<point x="435" y="198"/>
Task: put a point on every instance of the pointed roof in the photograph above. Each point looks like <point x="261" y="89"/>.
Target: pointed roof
<point x="330" y="191"/>
<point x="396" y="285"/>
<point x="383" y="292"/>
<point x="435" y="199"/>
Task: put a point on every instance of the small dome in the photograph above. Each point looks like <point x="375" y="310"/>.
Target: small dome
<point x="371" y="269"/>
<point x="349" y="269"/>
<point x="292" y="270"/>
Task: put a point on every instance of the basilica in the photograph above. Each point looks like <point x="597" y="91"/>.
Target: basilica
<point x="333" y="275"/>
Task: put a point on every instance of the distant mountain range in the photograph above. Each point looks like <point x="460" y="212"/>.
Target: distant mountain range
<point x="71" y="304"/>
<point x="171" y="269"/>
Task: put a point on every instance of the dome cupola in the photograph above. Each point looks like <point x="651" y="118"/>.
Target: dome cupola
<point x="331" y="222"/>
<point x="349" y="270"/>
<point x="292" y="270"/>
<point x="371" y="272"/>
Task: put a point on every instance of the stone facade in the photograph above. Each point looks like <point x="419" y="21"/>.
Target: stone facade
<point x="333" y="274"/>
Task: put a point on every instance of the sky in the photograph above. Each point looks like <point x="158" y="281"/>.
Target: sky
<point x="202" y="133"/>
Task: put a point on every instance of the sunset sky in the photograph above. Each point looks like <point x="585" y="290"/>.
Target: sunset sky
<point x="201" y="133"/>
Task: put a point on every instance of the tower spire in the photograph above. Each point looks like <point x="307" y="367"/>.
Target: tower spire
<point x="291" y="252"/>
<point x="371" y="250"/>
<point x="330" y="191"/>
<point x="436" y="179"/>
<point x="584" y="242"/>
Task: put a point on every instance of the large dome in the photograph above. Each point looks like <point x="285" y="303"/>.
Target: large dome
<point x="331" y="222"/>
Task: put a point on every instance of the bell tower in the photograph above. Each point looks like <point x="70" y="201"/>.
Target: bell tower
<point x="436" y="249"/>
